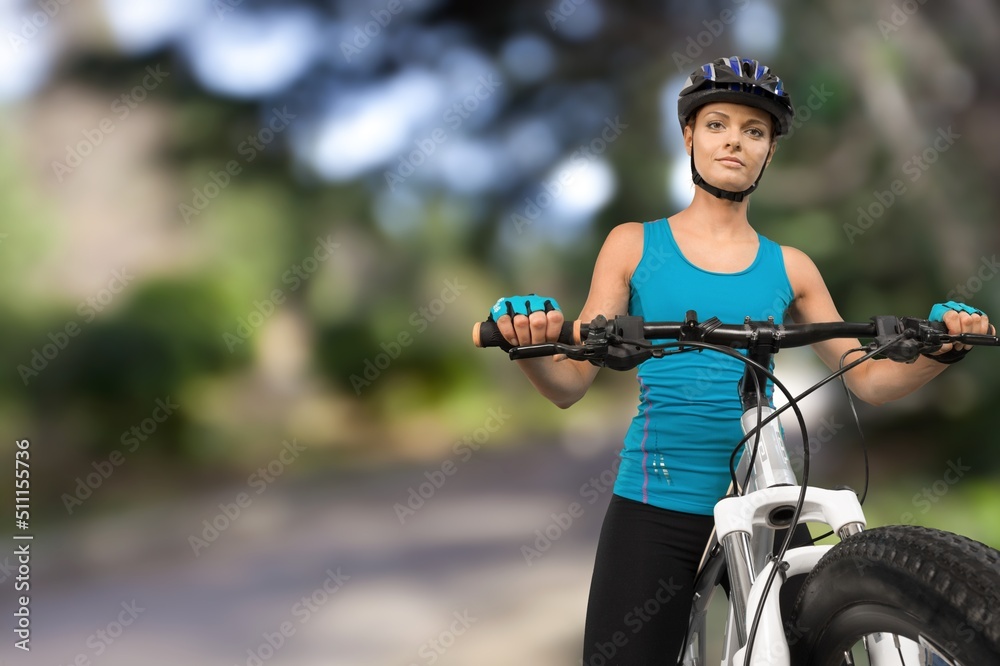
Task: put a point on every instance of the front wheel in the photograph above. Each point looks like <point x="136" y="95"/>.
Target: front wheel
<point x="938" y="589"/>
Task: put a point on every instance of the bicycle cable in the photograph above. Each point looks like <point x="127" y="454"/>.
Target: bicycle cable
<point x="861" y="434"/>
<point x="737" y="488"/>
<point x="800" y="501"/>
<point x="793" y="404"/>
<point x="779" y="557"/>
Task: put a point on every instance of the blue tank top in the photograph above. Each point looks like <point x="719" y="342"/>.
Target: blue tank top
<point x="677" y="448"/>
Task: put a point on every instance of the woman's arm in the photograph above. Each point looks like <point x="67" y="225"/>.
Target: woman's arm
<point x="565" y="381"/>
<point x="877" y="381"/>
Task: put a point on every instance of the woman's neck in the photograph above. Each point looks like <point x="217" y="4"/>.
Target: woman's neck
<point x="716" y="217"/>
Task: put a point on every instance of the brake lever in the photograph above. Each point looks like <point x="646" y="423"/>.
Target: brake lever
<point x="921" y="336"/>
<point x="971" y="339"/>
<point x="612" y="353"/>
<point x="577" y="353"/>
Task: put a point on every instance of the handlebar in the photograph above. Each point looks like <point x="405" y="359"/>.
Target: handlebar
<point x="486" y="334"/>
<point x="620" y="342"/>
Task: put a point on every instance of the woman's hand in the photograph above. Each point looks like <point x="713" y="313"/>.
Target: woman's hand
<point x="528" y="320"/>
<point x="959" y="318"/>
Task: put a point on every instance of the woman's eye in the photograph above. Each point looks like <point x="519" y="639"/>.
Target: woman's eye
<point x="756" y="133"/>
<point x="714" y="124"/>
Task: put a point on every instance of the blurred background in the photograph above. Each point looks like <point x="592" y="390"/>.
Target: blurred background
<point x="244" y="241"/>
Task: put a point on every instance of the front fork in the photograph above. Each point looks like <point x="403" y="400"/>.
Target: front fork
<point x="736" y="519"/>
<point x="770" y="494"/>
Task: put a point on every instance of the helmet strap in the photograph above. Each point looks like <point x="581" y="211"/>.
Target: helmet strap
<point x="718" y="192"/>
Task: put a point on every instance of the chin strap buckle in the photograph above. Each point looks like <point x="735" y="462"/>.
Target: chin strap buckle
<point x="718" y="192"/>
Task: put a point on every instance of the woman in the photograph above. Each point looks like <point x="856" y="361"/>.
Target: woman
<point x="707" y="258"/>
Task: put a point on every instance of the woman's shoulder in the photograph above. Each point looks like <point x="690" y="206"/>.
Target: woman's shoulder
<point x="622" y="248"/>
<point x="627" y="236"/>
<point x="796" y="258"/>
<point x="801" y="270"/>
<point x="628" y="231"/>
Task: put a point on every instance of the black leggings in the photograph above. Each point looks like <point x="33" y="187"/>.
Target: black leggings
<point x="640" y="594"/>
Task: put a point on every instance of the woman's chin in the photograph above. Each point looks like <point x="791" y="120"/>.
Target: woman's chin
<point x="728" y="184"/>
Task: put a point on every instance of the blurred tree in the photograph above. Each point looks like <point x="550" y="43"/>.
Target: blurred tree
<point x="578" y="90"/>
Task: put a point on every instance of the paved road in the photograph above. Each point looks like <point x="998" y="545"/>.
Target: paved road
<point x="321" y="572"/>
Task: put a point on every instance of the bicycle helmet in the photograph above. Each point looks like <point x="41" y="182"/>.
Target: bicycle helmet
<point x="739" y="81"/>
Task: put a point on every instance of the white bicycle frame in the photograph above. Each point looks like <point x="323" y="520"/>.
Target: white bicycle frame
<point x="744" y="533"/>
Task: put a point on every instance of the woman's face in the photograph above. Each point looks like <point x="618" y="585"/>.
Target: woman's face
<point x="732" y="143"/>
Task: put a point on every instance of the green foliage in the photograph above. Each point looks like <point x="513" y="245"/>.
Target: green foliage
<point x="166" y="336"/>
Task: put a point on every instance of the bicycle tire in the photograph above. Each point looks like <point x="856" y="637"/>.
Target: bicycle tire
<point x="906" y="580"/>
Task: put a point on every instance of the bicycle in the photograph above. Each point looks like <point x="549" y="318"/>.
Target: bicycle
<point x="898" y="594"/>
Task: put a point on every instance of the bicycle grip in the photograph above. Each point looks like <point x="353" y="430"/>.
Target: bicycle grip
<point x="486" y="334"/>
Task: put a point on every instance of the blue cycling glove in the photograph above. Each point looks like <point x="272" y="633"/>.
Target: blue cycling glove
<point x="525" y="305"/>
<point x="937" y="314"/>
